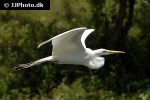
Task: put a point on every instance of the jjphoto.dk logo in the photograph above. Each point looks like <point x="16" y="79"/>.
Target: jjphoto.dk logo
<point x="39" y="4"/>
<point x="25" y="5"/>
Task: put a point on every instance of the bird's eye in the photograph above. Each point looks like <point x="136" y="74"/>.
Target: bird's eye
<point x="104" y="51"/>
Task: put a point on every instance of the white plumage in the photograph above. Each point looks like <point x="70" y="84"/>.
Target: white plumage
<point x="69" y="48"/>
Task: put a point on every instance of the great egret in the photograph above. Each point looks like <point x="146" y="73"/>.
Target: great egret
<point x="69" y="48"/>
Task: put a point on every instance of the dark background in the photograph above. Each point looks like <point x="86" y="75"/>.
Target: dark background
<point x="119" y="25"/>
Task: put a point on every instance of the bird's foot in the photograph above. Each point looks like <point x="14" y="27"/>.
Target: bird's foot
<point x="22" y="66"/>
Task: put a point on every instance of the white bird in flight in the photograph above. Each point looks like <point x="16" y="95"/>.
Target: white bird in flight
<point x="69" y="48"/>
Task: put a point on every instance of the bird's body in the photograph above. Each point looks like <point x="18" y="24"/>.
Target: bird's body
<point x="69" y="48"/>
<point x="87" y="59"/>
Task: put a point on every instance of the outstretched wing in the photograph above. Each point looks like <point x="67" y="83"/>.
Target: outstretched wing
<point x="70" y="42"/>
<point x="85" y="35"/>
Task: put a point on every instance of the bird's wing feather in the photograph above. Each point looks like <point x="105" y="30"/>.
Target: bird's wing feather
<point x="61" y="36"/>
<point x="70" y="42"/>
<point x="44" y="42"/>
<point x="84" y="36"/>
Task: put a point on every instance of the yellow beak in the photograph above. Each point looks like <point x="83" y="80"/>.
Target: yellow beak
<point x="114" y="52"/>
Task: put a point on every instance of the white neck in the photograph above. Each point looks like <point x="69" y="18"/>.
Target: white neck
<point x="98" y="52"/>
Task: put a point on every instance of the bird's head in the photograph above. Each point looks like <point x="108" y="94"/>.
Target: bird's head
<point x="106" y="52"/>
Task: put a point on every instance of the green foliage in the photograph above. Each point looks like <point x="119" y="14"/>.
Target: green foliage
<point x="5" y="80"/>
<point x="123" y="77"/>
<point x="75" y="91"/>
<point x="3" y="87"/>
